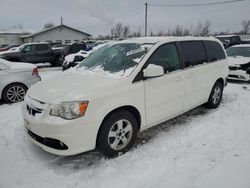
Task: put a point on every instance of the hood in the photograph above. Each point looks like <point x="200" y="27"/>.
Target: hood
<point x="5" y="53"/>
<point x="238" y="60"/>
<point x="10" y="51"/>
<point x="71" y="86"/>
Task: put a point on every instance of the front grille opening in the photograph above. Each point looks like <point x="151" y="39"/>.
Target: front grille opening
<point x="233" y="76"/>
<point x="233" y="68"/>
<point x="50" y="142"/>
<point x="33" y="111"/>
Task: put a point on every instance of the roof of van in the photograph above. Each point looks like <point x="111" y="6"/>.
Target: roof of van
<point x="153" y="40"/>
<point x="227" y="36"/>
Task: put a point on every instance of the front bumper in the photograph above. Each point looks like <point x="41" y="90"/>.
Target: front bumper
<point x="238" y="75"/>
<point x="58" y="136"/>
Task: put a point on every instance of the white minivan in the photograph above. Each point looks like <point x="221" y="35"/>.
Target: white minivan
<point x="122" y="89"/>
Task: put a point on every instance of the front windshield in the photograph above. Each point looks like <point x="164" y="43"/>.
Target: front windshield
<point x="238" y="51"/>
<point x="20" y="47"/>
<point x="114" y="58"/>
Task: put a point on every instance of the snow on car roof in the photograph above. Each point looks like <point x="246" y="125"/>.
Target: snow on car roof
<point x="226" y="36"/>
<point x="153" y="40"/>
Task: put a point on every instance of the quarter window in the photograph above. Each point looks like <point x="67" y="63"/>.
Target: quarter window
<point x="167" y="57"/>
<point x="214" y="51"/>
<point x="42" y="47"/>
<point x="193" y="53"/>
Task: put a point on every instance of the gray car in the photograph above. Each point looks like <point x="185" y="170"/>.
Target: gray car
<point x="15" y="79"/>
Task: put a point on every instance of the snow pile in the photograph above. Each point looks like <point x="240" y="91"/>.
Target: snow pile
<point x="203" y="148"/>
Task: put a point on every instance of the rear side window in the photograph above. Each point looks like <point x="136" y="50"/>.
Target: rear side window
<point x="42" y="47"/>
<point x="77" y="47"/>
<point x="193" y="53"/>
<point x="214" y="51"/>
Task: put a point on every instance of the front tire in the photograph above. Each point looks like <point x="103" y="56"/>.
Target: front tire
<point x="117" y="133"/>
<point x="215" y="95"/>
<point x="14" y="93"/>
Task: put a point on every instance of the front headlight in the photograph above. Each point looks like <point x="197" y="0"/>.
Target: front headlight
<point x="69" y="110"/>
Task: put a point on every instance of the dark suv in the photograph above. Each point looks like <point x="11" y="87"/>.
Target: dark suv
<point x="229" y="40"/>
<point x="33" y="53"/>
<point x="73" y="48"/>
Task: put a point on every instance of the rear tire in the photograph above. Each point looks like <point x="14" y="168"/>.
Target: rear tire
<point x="215" y="95"/>
<point x="56" y="62"/>
<point x="117" y="133"/>
<point x="14" y="93"/>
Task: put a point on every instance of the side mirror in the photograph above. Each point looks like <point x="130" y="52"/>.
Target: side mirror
<point x="248" y="70"/>
<point x="153" y="71"/>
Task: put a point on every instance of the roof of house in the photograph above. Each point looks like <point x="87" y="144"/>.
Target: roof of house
<point x="16" y="31"/>
<point x="58" y="26"/>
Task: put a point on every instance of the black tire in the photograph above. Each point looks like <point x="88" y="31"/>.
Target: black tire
<point x="215" y="95"/>
<point x="56" y="62"/>
<point x="14" y="93"/>
<point x="106" y="141"/>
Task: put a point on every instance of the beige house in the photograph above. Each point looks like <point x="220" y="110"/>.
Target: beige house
<point x="61" y="34"/>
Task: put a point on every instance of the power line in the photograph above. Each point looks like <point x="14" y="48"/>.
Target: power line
<point x="111" y="19"/>
<point x="128" y="12"/>
<point x="195" y="5"/>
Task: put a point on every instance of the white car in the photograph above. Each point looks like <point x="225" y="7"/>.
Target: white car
<point x="239" y="62"/>
<point x="15" y="79"/>
<point x="124" y="88"/>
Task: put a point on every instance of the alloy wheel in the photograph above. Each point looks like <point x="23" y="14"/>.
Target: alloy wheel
<point x="15" y="93"/>
<point x="120" y="134"/>
<point x="216" y="95"/>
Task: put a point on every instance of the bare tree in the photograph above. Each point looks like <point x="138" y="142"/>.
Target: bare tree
<point x="136" y="33"/>
<point x="48" y="25"/>
<point x="202" y="29"/>
<point x="186" y="32"/>
<point x="245" y="26"/>
<point x="151" y="33"/>
<point x="117" y="30"/>
<point x="177" y="31"/>
<point x="19" y="26"/>
<point x="206" y="28"/>
<point x="126" y="31"/>
<point x="160" y="33"/>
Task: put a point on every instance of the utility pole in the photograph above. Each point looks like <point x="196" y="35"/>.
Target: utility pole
<point x="61" y="20"/>
<point x="146" y="19"/>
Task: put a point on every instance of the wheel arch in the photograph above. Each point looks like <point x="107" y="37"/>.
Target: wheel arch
<point x="133" y="110"/>
<point x="221" y="80"/>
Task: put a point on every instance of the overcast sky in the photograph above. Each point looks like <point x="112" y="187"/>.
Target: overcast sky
<point x="98" y="16"/>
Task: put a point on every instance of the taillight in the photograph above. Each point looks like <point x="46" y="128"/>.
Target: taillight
<point x="35" y="71"/>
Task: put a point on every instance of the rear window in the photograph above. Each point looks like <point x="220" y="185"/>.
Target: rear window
<point x="193" y="53"/>
<point x="77" y="47"/>
<point x="42" y="47"/>
<point x="214" y="51"/>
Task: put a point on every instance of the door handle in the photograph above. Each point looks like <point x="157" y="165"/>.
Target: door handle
<point x="179" y="78"/>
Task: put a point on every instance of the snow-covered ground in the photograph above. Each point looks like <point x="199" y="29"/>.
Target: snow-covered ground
<point x="201" y="149"/>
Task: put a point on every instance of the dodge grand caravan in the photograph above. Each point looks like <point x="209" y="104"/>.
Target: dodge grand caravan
<point x="122" y="89"/>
